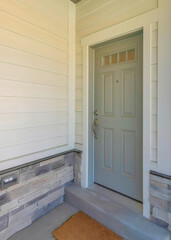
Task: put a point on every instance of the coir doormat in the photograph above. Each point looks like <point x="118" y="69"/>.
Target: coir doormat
<point x="82" y="227"/>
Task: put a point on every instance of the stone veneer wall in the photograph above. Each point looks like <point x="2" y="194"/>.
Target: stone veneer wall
<point x="77" y="167"/>
<point x="39" y="188"/>
<point x="160" y="200"/>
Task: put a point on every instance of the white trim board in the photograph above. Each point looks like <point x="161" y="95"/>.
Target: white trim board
<point x="71" y="75"/>
<point x="144" y="22"/>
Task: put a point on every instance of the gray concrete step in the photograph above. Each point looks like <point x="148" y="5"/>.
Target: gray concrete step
<point x="117" y="197"/>
<point x="123" y="221"/>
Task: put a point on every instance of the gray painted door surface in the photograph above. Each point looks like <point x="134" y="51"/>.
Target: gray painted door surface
<point x="118" y="101"/>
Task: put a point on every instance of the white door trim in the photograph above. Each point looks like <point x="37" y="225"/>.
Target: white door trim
<point x="144" y="22"/>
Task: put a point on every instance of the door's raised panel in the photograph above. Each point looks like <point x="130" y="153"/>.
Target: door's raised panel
<point x="107" y="146"/>
<point x="107" y="93"/>
<point x="128" y="93"/>
<point x="128" y="153"/>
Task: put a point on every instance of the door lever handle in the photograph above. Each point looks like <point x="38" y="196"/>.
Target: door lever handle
<point x="94" y="128"/>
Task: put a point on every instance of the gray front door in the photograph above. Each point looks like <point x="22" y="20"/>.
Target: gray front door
<point x="118" y="101"/>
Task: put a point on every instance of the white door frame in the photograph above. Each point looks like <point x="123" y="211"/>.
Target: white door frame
<point x="144" y="22"/>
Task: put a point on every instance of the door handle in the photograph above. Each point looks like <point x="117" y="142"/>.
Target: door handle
<point x="94" y="128"/>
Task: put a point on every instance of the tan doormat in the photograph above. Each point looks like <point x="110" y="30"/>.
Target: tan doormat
<point x="82" y="227"/>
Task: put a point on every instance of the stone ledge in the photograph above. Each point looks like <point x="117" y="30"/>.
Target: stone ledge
<point x="38" y="161"/>
<point x="36" y="169"/>
<point x="160" y="175"/>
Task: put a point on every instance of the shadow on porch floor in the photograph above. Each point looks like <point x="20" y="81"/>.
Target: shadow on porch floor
<point x="42" y="228"/>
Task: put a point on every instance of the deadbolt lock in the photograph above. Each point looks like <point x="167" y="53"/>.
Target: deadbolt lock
<point x="96" y="112"/>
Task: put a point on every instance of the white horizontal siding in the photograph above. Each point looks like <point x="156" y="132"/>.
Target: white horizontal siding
<point x="20" y="10"/>
<point x="27" y="135"/>
<point x="112" y="12"/>
<point x="33" y="76"/>
<point x="32" y="147"/>
<point x="109" y="13"/>
<point x="25" y="105"/>
<point x="30" y="31"/>
<point x="29" y="60"/>
<point x="20" y="89"/>
<point x="28" y="120"/>
<point x="93" y="16"/>
<point x="25" y="44"/>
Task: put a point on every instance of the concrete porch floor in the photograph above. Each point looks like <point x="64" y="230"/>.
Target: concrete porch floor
<point x="116" y="212"/>
<point x="42" y="228"/>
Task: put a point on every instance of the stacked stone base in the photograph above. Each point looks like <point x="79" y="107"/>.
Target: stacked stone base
<point x="39" y="188"/>
<point x="160" y="200"/>
<point x="77" y="168"/>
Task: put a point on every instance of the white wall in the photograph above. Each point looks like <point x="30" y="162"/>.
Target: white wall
<point x="161" y="91"/>
<point x="93" y="16"/>
<point x="164" y="88"/>
<point x="37" y="75"/>
<point x="35" y="87"/>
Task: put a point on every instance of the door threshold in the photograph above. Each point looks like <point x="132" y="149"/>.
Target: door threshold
<point x="116" y="197"/>
<point x="124" y="195"/>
